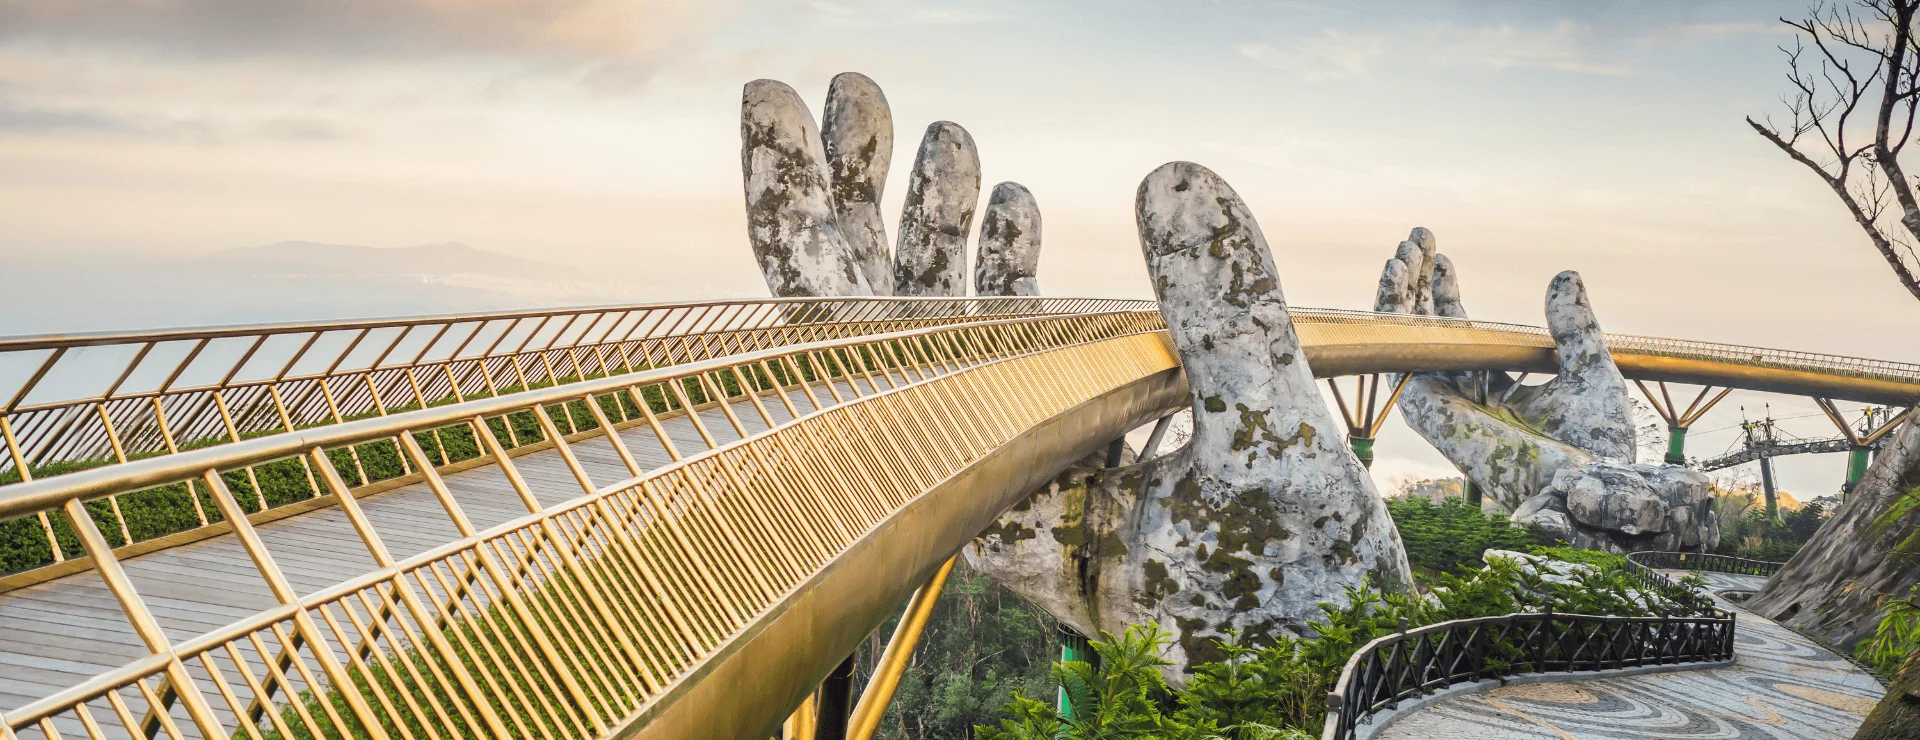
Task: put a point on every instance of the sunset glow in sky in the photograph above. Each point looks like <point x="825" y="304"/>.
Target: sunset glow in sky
<point x="1532" y="137"/>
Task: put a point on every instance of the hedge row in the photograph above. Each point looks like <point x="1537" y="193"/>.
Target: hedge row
<point x="163" y="510"/>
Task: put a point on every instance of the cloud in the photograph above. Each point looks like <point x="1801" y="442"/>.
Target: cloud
<point x="1562" y="48"/>
<point x="1331" y="55"/>
<point x="1687" y="32"/>
<point x="1335" y="54"/>
<point x="612" y="30"/>
<point x="893" y="13"/>
<point x="22" y="120"/>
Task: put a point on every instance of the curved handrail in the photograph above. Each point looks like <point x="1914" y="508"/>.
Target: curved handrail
<point x="1704" y="561"/>
<point x="606" y="603"/>
<point x="113" y="396"/>
<point x="270" y="379"/>
<point x="1534" y="336"/>
<point x="1417" y="662"/>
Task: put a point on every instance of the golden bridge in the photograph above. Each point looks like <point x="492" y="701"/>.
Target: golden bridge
<point x="658" y="521"/>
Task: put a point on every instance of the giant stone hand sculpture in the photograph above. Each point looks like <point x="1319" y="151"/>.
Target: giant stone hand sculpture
<point x="1263" y="515"/>
<point x="1558" y="455"/>
<point x="791" y="216"/>
<point x="813" y="199"/>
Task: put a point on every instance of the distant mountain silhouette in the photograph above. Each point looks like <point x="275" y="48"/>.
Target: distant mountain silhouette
<point x="289" y="281"/>
<point x="313" y="258"/>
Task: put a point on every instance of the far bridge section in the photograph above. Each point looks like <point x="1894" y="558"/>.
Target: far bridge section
<point x="666" y="521"/>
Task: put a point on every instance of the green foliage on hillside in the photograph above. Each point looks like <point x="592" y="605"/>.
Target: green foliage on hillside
<point x="1278" y="689"/>
<point x="1747" y="532"/>
<point x="982" y="643"/>
<point x="163" y="510"/>
<point x="1445" y="536"/>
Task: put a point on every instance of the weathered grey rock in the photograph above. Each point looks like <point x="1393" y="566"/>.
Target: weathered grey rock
<point x="1557" y="455"/>
<point x="1586" y="405"/>
<point x="857" y="131"/>
<point x="1607" y="496"/>
<point x="930" y="258"/>
<point x="1446" y="289"/>
<point x="1009" y="260"/>
<point x="1834" y="587"/>
<point x="791" y="221"/>
<point x="1418" y="253"/>
<point x="1264" y="514"/>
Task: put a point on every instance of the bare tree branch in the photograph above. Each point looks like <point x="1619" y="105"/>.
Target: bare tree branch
<point x="1857" y="58"/>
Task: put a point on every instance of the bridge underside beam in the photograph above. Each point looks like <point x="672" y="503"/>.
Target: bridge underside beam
<point x="748" y="687"/>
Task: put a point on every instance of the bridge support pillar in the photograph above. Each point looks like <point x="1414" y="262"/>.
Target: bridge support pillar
<point x="836" y="700"/>
<point x="1676" y="445"/>
<point x="1073" y="646"/>
<point x="893" y="663"/>
<point x="1857" y="459"/>
<point x="1876" y="422"/>
<point x="1362" y="448"/>
<point x="1678" y="419"/>
<point x="1766" y="487"/>
<point x="1153" y="439"/>
<point x="1367" y="414"/>
<point x="801" y="724"/>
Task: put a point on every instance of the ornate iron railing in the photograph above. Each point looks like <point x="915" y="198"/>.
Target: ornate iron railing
<point x="567" y="621"/>
<point x="1418" y="662"/>
<point x="1650" y="562"/>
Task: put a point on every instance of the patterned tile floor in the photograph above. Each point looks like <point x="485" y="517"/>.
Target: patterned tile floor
<point x="1782" y="686"/>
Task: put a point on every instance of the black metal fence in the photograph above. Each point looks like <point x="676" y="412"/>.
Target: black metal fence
<point x="1704" y="561"/>
<point x="1416" y="662"/>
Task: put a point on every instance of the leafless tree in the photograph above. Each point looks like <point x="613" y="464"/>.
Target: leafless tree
<point x="1852" y="70"/>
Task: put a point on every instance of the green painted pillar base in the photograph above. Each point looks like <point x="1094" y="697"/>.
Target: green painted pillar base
<point x="1073" y="646"/>
<point x="1677" y="445"/>
<point x="1362" y="448"/>
<point x="1857" y="459"/>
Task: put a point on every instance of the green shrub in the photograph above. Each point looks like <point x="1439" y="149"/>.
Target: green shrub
<point x="1443" y="537"/>
<point x="1278" y="689"/>
<point x="1747" y="532"/>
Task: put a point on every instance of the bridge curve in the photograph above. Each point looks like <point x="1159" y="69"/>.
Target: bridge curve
<point x="889" y="442"/>
<point x="1360" y="342"/>
<point x="636" y="600"/>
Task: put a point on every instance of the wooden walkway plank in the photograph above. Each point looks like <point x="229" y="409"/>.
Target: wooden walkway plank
<point x="59" y="633"/>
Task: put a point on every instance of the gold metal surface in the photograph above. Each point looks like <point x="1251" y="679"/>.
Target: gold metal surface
<point x="577" y="620"/>
<point x="899" y="653"/>
<point x="702" y="599"/>
<point x="1339" y="343"/>
<point x="743" y="690"/>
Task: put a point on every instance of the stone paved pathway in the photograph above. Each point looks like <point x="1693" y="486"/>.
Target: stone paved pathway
<point x="1782" y="686"/>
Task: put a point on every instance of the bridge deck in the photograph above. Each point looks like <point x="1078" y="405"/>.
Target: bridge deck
<point x="64" y="631"/>
<point x="1782" y="686"/>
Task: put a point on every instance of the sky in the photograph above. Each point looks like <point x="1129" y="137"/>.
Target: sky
<point x="1532" y="137"/>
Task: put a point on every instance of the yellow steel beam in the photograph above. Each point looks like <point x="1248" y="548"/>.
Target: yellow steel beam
<point x="1334" y="350"/>
<point x="746" y="687"/>
<point x="893" y="663"/>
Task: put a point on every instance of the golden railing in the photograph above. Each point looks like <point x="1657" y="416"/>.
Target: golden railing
<point x="75" y="402"/>
<point x="125" y="395"/>
<point x="1440" y="330"/>
<point x="567" y="622"/>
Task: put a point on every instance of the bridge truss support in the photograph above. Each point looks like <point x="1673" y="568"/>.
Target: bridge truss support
<point x="1679" y="421"/>
<point x="1365" y="417"/>
<point x="1875" y="422"/>
<point x="899" y="653"/>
